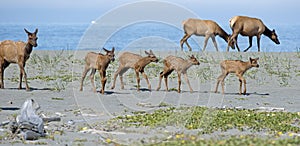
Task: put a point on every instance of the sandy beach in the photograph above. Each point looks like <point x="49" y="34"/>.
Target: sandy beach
<point x="54" y="79"/>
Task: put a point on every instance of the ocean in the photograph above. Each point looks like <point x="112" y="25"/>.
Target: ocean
<point x="145" y="35"/>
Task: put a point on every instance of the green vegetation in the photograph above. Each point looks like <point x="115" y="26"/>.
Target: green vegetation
<point x="219" y="119"/>
<point x="209" y="120"/>
<point x="231" y="141"/>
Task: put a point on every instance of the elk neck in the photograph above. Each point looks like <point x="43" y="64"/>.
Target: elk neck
<point x="144" y="61"/>
<point x="267" y="32"/>
<point x="222" y="33"/>
<point x="247" y="65"/>
<point x="187" y="64"/>
<point x="28" y="48"/>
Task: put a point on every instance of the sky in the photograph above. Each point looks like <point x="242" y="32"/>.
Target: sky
<point x="85" y="11"/>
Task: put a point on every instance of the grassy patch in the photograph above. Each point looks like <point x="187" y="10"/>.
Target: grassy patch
<point x="214" y="120"/>
<point x="231" y="141"/>
<point x="57" y="98"/>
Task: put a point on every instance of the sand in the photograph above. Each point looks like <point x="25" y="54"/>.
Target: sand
<point x="54" y="80"/>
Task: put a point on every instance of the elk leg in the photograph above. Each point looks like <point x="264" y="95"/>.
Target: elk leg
<point x="241" y="83"/>
<point x="121" y="77"/>
<point x="258" y="43"/>
<point x="233" y="38"/>
<point x="86" y="69"/>
<point x="188" y="82"/>
<point x="220" y="79"/>
<point x="205" y="42"/>
<point x="147" y="80"/>
<point x="190" y="48"/>
<point x="103" y="79"/>
<point x="166" y="73"/>
<point x="2" y="62"/>
<point x="23" y="74"/>
<point x="92" y="75"/>
<point x="236" y="43"/>
<point x="3" y="66"/>
<point x="115" y="77"/>
<point x="1" y="78"/>
<point x="223" y="83"/>
<point x="137" y="79"/>
<point x="159" y="80"/>
<point x="242" y="80"/>
<point x="166" y="79"/>
<point x="186" y="42"/>
<point x="182" y="41"/>
<point x="214" y="42"/>
<point x="250" y="43"/>
<point x="179" y="82"/>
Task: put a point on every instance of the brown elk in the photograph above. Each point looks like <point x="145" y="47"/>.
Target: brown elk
<point x="97" y="61"/>
<point x="17" y="52"/>
<point x="247" y="26"/>
<point x="206" y="28"/>
<point x="181" y="66"/>
<point x="239" y="68"/>
<point x="138" y="63"/>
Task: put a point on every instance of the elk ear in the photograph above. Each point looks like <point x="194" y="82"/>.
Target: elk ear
<point x="27" y="31"/>
<point x="113" y="49"/>
<point x="147" y="52"/>
<point x="151" y="52"/>
<point x="273" y="30"/>
<point x="257" y="58"/>
<point x="36" y="31"/>
<point x="193" y="56"/>
<point x="250" y="59"/>
<point x="105" y="50"/>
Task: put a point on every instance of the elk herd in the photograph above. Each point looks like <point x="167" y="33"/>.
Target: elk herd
<point x="19" y="52"/>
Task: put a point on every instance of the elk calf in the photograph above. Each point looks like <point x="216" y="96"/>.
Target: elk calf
<point x="17" y="52"/>
<point x="181" y="66"/>
<point x="100" y="62"/>
<point x="138" y="63"/>
<point x="239" y="68"/>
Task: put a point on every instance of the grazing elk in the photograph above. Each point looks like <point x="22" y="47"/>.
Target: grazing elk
<point x="17" y="52"/>
<point x="100" y="62"/>
<point x="138" y="63"/>
<point x="247" y="26"/>
<point x="239" y="68"/>
<point x="181" y="66"/>
<point x="206" y="28"/>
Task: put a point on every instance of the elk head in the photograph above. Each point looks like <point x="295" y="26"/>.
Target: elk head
<point x="110" y="54"/>
<point x="274" y="37"/>
<point x="32" y="38"/>
<point x="194" y="60"/>
<point x="151" y="56"/>
<point x="254" y="62"/>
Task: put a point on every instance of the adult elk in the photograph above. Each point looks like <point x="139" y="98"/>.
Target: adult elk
<point x="206" y="28"/>
<point x="97" y="61"/>
<point x="247" y="26"/>
<point x="17" y="52"/>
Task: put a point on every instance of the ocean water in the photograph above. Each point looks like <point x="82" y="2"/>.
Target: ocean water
<point x="145" y="35"/>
